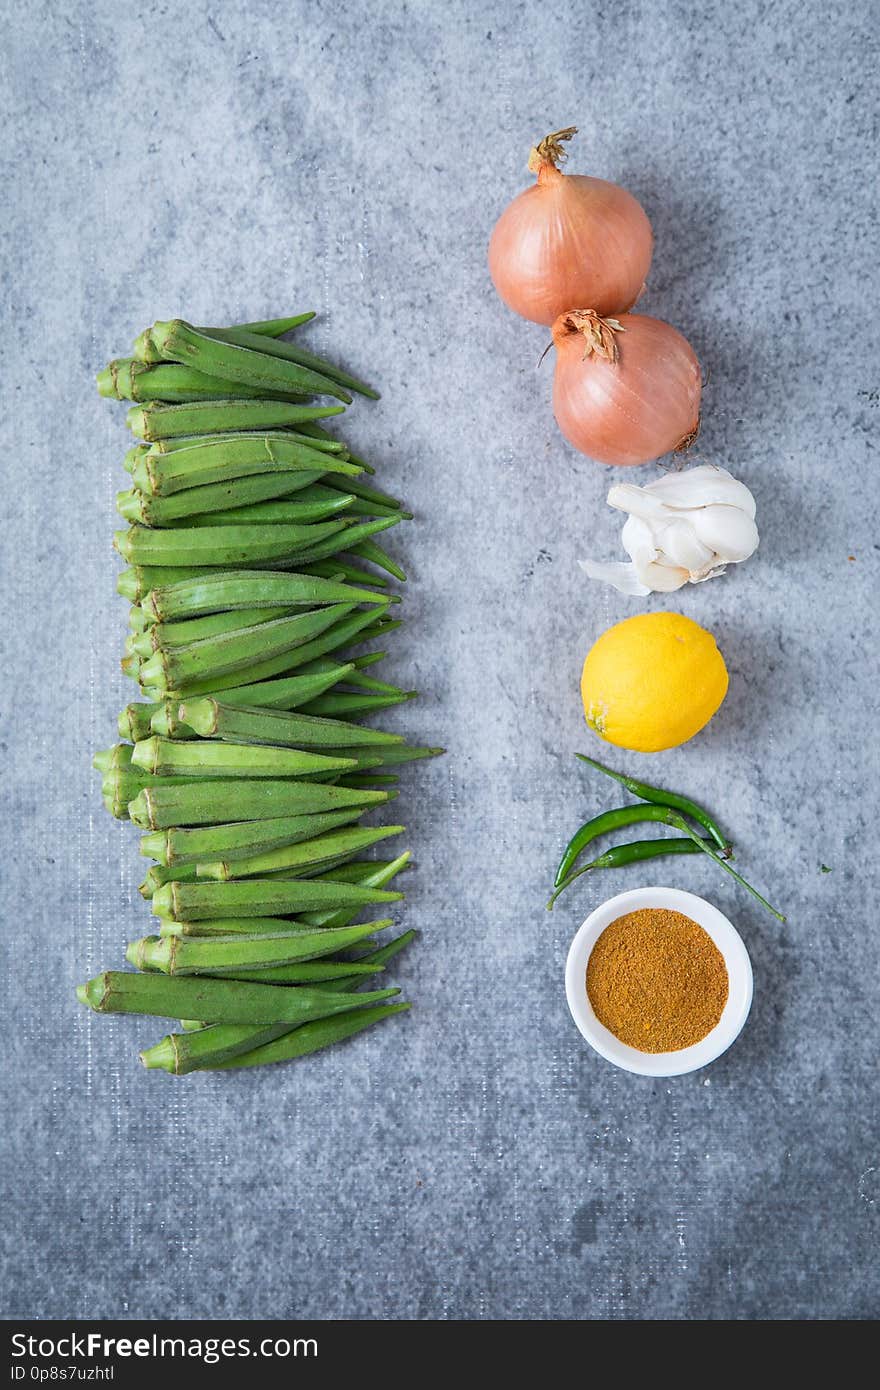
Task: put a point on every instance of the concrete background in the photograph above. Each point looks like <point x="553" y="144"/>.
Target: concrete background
<point x="475" y="1159"/>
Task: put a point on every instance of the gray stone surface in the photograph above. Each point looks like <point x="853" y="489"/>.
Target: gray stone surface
<point x="474" y="1159"/>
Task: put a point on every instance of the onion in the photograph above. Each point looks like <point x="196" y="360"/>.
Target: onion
<point x="569" y="239"/>
<point x="624" y="402"/>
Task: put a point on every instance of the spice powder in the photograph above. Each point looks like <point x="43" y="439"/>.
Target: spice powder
<point x="656" y="980"/>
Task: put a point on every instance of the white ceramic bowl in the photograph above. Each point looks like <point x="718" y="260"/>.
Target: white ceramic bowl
<point x="739" y="973"/>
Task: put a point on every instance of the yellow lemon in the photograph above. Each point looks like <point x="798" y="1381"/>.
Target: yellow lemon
<point x="652" y="682"/>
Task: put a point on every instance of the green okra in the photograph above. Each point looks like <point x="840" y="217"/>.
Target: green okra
<point x="217" y="504"/>
<point x="282" y="728"/>
<point x="127" y="379"/>
<point x="181" y="1053"/>
<point x="120" y="786"/>
<point x="248" y="589"/>
<point x="136" y="582"/>
<point x="158" y="421"/>
<point x="145" y="350"/>
<point x="369" y="550"/>
<point x="232" y="546"/>
<point x="336" y="974"/>
<point x="187" y="902"/>
<point x="159" y="875"/>
<point x="285" y="693"/>
<point x="138" y="620"/>
<point x="107" y="759"/>
<point x="342" y="703"/>
<point x="187" y="464"/>
<point x="242" y="926"/>
<point x="165" y="757"/>
<point x="312" y="1037"/>
<point x="175" y="340"/>
<point x="274" y="511"/>
<point x="292" y="352"/>
<point x="351" y="630"/>
<point x="215" y="1046"/>
<point x="166" y="722"/>
<point x="160" y="805"/>
<point x="220" y="1001"/>
<point x="372" y="873"/>
<point x="219" y="955"/>
<point x="180" y="632"/>
<point x="240" y="839"/>
<point x="302" y="854"/>
<point x="248" y="648"/>
<point x="231" y="443"/>
<point x="134" y="721"/>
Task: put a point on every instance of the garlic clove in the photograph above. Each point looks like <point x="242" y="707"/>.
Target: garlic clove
<point x="704" y="486"/>
<point x="729" y="532"/>
<point x="638" y="540"/>
<point x="679" y="543"/>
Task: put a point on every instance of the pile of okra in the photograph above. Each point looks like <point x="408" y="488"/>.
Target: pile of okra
<point x="255" y="581"/>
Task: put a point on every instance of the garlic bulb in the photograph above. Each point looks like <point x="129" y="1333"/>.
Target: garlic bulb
<point x="681" y="529"/>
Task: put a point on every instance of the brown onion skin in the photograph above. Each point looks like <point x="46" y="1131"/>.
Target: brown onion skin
<point x="570" y="239"/>
<point x="636" y="409"/>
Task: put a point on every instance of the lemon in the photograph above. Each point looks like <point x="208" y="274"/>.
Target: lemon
<point x="652" y="682"/>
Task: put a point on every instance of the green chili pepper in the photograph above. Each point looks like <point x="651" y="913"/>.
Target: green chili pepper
<point x="604" y="824"/>
<point x="634" y="853"/>
<point x="659" y="797"/>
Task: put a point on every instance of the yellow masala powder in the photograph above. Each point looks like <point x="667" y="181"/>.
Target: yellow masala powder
<point x="656" y="980"/>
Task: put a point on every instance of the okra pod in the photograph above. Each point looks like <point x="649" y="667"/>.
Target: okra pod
<point x="176" y="340"/>
<point x="180" y="632"/>
<point x="187" y="902"/>
<point x="191" y="955"/>
<point x="221" y="1001"/>
<point x="127" y="379"/>
<point x="284" y="510"/>
<point x="160" y="805"/>
<point x="232" y="546"/>
<point x="158" y="421"/>
<point x="312" y="1037"/>
<point x="159" y="875"/>
<point x="292" y="352"/>
<point x="216" y="504"/>
<point x="164" y="757"/>
<point x="145" y="349"/>
<point x="248" y="589"/>
<point x="280" y="728"/>
<point x="187" y="464"/>
<point x="286" y="693"/>
<point x="243" y="926"/>
<point x="134" y="721"/>
<point x="303" y="854"/>
<point x="240" y="839"/>
<point x="229" y="653"/>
